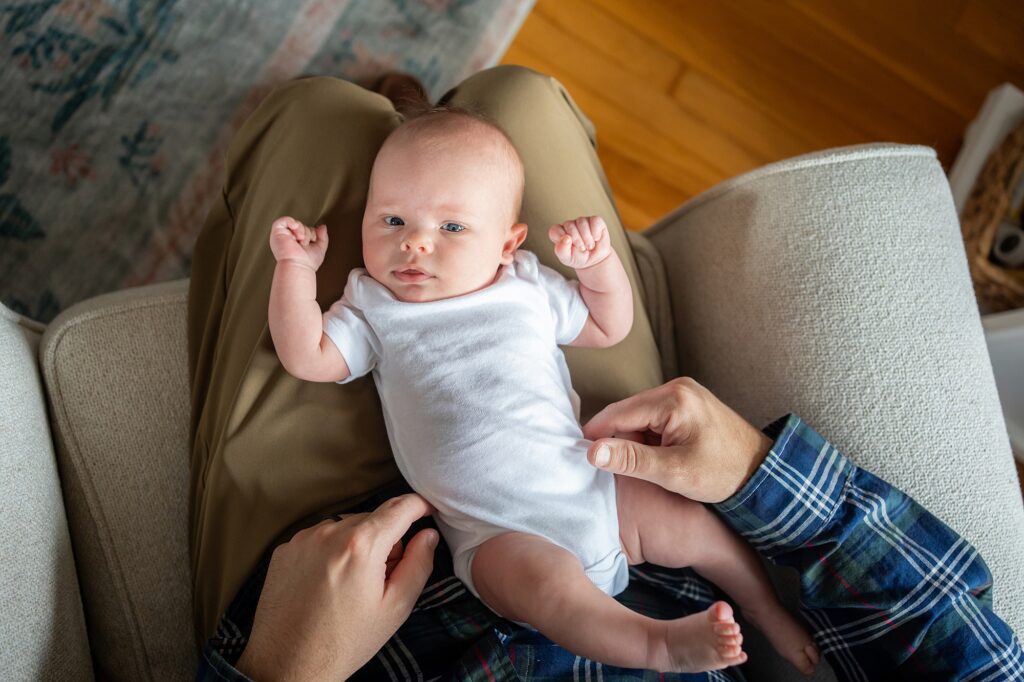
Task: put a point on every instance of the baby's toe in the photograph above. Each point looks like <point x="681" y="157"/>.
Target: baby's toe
<point x="721" y="612"/>
<point x="729" y="649"/>
<point x="729" y="640"/>
<point x="729" y="645"/>
<point x="725" y="628"/>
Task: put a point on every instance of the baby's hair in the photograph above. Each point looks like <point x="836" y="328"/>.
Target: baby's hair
<point x="433" y="121"/>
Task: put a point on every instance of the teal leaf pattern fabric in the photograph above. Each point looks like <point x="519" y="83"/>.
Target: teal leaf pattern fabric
<point x="117" y="114"/>
<point x="15" y="221"/>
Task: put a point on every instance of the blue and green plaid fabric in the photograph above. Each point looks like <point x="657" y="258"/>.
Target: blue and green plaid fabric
<point x="887" y="589"/>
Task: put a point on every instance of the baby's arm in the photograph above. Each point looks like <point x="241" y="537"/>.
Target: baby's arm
<point x="584" y="244"/>
<point x="296" y="324"/>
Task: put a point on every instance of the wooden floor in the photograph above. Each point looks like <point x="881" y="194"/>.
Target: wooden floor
<point x="686" y="93"/>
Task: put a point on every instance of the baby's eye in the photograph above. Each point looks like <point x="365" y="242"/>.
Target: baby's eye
<point x="452" y="227"/>
<point x="393" y="220"/>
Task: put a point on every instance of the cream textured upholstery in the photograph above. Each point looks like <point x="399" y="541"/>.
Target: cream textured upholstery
<point x="836" y="286"/>
<point x="832" y="285"/>
<point x="42" y="631"/>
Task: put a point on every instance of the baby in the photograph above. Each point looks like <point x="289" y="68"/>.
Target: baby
<point x="460" y="330"/>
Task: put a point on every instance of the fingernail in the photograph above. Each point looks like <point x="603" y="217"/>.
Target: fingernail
<point x="432" y="539"/>
<point x="602" y="456"/>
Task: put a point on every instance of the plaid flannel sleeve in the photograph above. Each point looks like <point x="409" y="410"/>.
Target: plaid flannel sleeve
<point x="214" y="668"/>
<point x="886" y="588"/>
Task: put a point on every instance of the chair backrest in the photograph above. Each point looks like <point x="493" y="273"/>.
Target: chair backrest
<point x="116" y="376"/>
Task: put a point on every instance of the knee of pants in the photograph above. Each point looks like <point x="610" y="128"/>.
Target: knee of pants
<point x="533" y="108"/>
<point x="325" y="103"/>
<point x="316" y="91"/>
<point x="499" y="86"/>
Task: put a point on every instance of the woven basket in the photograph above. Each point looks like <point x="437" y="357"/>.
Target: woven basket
<point x="996" y="287"/>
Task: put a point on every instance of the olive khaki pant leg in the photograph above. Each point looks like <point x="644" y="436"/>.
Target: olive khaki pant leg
<point x="269" y="449"/>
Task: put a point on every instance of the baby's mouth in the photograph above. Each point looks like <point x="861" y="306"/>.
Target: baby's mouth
<point x="411" y="275"/>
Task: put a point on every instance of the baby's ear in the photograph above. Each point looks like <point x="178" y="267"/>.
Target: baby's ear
<point x="516" y="235"/>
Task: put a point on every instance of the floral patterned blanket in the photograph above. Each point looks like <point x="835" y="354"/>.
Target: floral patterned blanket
<point x="116" y="114"/>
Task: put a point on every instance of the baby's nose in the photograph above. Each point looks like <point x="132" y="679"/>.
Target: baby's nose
<point x="418" y="243"/>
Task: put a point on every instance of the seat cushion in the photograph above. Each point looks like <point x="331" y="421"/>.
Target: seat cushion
<point x="117" y="381"/>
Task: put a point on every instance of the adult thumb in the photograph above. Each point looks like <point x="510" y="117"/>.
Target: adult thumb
<point x="628" y="458"/>
<point x="411" y="573"/>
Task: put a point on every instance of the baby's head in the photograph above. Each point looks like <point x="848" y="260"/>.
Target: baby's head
<point x="442" y="210"/>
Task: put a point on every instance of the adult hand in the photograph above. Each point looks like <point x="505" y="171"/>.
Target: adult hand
<point x="337" y="591"/>
<point x="680" y="437"/>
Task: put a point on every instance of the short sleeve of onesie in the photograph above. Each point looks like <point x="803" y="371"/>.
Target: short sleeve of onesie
<point x="346" y="325"/>
<point x="568" y="309"/>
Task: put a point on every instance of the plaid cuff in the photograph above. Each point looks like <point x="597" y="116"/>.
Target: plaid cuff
<point x="794" y="493"/>
<point x="214" y="668"/>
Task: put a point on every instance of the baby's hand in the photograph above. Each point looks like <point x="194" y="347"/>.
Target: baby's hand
<point x="291" y="240"/>
<point x="581" y="243"/>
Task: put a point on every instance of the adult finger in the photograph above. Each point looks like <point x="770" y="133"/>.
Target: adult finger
<point x="312" y="530"/>
<point x="393" y="557"/>
<point x="411" y="572"/>
<point x="645" y="411"/>
<point x="636" y="460"/>
<point x="391" y="520"/>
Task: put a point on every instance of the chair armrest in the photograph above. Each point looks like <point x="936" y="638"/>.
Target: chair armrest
<point x="835" y="285"/>
<point x="42" y="626"/>
<point x="116" y="378"/>
<point x="654" y="294"/>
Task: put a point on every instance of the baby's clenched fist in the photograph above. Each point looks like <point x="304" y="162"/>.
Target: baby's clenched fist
<point x="581" y="243"/>
<point x="291" y="240"/>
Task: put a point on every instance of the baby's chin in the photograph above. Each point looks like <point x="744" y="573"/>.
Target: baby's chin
<point x="417" y="296"/>
<point x="422" y="295"/>
<point x="419" y="292"/>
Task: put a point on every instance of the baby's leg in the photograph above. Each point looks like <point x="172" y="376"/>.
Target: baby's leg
<point x="527" y="579"/>
<point x="670" y="530"/>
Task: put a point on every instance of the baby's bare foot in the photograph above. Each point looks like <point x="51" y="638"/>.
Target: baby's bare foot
<point x="786" y="635"/>
<point x="704" y="641"/>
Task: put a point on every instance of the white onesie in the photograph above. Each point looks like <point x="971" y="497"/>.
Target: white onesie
<point x="481" y="414"/>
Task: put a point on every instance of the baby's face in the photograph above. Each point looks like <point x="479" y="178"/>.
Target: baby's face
<point x="438" y="219"/>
